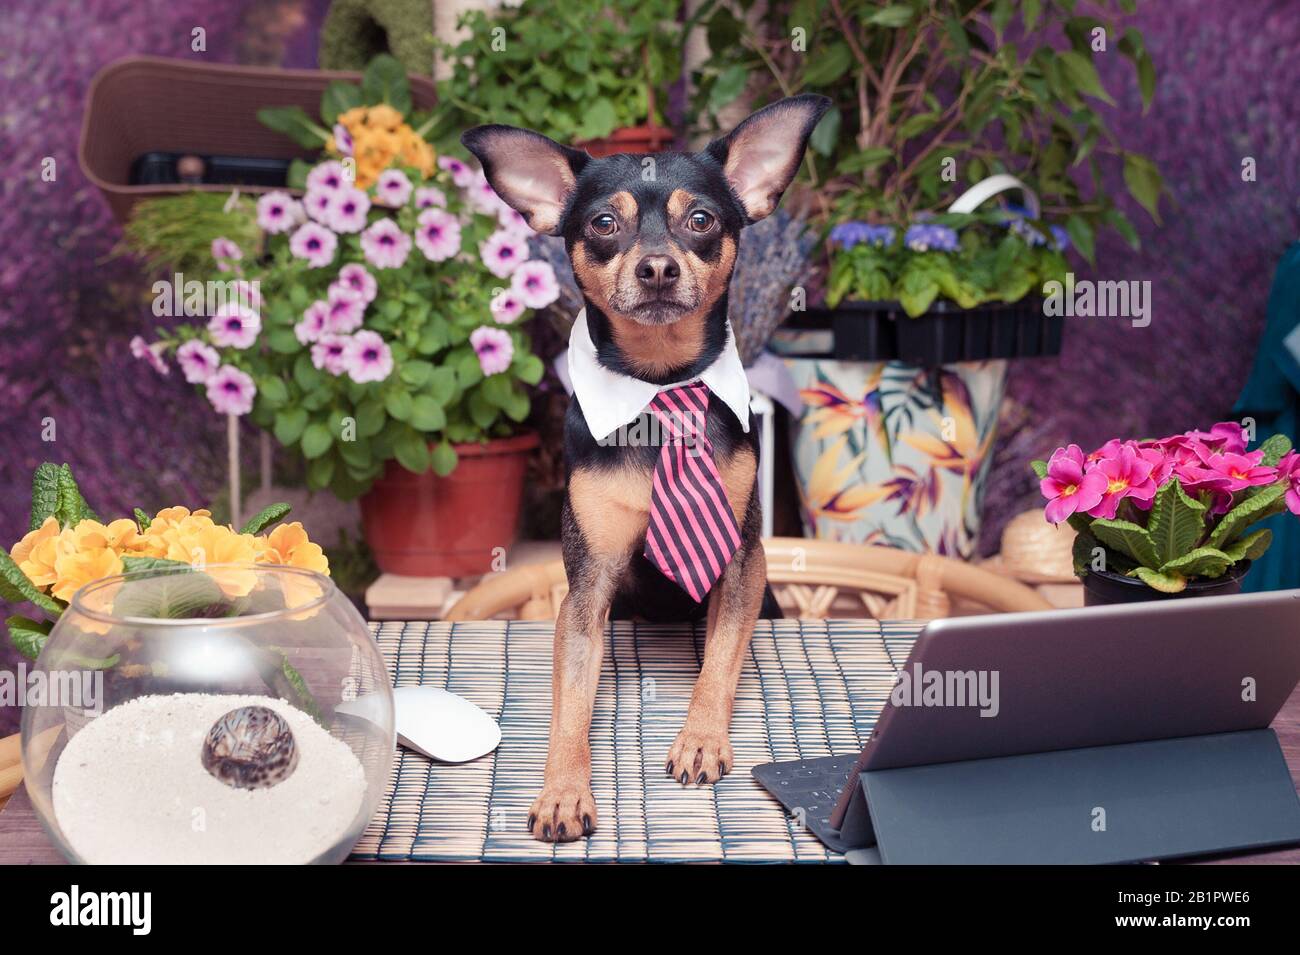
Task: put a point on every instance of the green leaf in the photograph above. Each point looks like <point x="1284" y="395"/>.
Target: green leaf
<point x="826" y="133"/>
<point x="893" y="16"/>
<point x="289" y="425"/>
<point x="1083" y="74"/>
<point x="294" y="123"/>
<point x="1175" y="524"/>
<point x="316" y="440"/>
<point x="444" y="458"/>
<point x="1250" y="547"/>
<point x="1039" y="468"/>
<point x="265" y="517"/>
<point x="173" y="595"/>
<point x="598" y="121"/>
<point x="1202" y="562"/>
<point x="530" y="369"/>
<point x="45" y="493"/>
<point x="427" y="415"/>
<point x="1144" y="182"/>
<point x="1127" y="538"/>
<point x="1269" y="501"/>
<point x="729" y="84"/>
<point x="15" y="588"/>
<point x="399" y="404"/>
<point x="142" y="520"/>
<point x="412" y="452"/>
<point x="132" y="565"/>
<point x="829" y="65"/>
<point x="272" y="390"/>
<point x="1165" y="583"/>
<point x="338" y="98"/>
<point x="1274" y="448"/>
<point x="385" y="82"/>
<point x="1081" y="234"/>
<point x="28" y="635"/>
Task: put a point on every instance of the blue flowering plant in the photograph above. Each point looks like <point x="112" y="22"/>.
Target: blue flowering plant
<point x="969" y="259"/>
<point x="930" y="97"/>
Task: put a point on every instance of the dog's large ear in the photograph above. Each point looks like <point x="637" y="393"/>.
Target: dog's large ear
<point x="761" y="155"/>
<point x="533" y="174"/>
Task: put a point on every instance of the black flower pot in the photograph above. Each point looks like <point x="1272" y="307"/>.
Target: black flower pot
<point x="1101" y="587"/>
<point x="945" y="335"/>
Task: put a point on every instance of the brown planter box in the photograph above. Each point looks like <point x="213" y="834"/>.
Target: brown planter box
<point x="144" y="104"/>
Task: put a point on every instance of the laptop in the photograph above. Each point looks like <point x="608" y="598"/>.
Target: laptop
<point x="1157" y="709"/>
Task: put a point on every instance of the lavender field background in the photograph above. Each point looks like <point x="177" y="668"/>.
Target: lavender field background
<point x="67" y="310"/>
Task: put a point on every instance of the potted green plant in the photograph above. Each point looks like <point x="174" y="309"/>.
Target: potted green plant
<point x="377" y="328"/>
<point x="939" y="104"/>
<point x="1171" y="517"/>
<point x="591" y="72"/>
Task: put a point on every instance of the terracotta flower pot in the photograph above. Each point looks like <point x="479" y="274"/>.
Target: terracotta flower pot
<point x="1105" y="587"/>
<point x="423" y="525"/>
<point x="638" y="140"/>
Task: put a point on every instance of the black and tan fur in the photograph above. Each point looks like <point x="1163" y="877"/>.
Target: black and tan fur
<point x="652" y="246"/>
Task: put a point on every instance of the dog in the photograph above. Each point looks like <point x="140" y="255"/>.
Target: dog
<point x="653" y="241"/>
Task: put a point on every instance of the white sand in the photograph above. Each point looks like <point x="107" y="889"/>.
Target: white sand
<point x="131" y="788"/>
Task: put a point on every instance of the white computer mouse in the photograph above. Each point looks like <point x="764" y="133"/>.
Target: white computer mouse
<point x="438" y="724"/>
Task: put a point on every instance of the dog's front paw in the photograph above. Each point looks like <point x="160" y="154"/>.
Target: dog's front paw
<point x="563" y="812"/>
<point x="699" y="756"/>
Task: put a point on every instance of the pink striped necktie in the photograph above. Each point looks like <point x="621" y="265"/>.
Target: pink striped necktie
<point x="692" y="532"/>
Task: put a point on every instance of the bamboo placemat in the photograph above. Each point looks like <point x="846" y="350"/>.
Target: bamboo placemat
<point x="808" y="689"/>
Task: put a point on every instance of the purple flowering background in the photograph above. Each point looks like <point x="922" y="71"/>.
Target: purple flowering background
<point x="67" y="312"/>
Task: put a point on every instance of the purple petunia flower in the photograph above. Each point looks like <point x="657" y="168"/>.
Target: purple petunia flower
<point x="506" y="306"/>
<point x="231" y="391"/>
<point x="198" y="361"/>
<point x="330" y="353"/>
<point x="314" y="323"/>
<point x="315" y="243"/>
<point x="328" y="177"/>
<point x="437" y="233"/>
<point x="355" y="278"/>
<point x="427" y="197"/>
<point x="150" y="353"/>
<point x="512" y="221"/>
<point x="849" y="234"/>
<point x="278" y="212"/>
<point x="482" y="196"/>
<point x="536" y="284"/>
<point x="234" y="326"/>
<point x="344" y="311"/>
<point x="461" y="174"/>
<point x="503" y="252"/>
<point x="494" y="348"/>
<point x="318" y="203"/>
<point x="347" y="213"/>
<point x="392" y="189"/>
<point x="930" y="238"/>
<point x="386" y="246"/>
<point x="367" y="357"/>
<point x="343" y="139"/>
<point x="226" y="253"/>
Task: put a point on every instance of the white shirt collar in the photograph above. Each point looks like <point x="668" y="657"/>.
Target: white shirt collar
<point x="610" y="400"/>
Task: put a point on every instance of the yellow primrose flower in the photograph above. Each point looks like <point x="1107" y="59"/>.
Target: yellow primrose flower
<point x="292" y="548"/>
<point x="35" y="553"/>
<point x="214" y="544"/>
<point x="384" y="116"/>
<point x="75" y="569"/>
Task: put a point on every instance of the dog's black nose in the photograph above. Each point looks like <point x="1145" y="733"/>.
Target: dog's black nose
<point x="658" y="271"/>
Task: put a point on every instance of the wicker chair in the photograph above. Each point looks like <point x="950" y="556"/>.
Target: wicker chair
<point x="812" y="580"/>
<point x="11" y="767"/>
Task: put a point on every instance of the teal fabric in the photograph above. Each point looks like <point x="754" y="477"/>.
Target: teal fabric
<point x="1272" y="398"/>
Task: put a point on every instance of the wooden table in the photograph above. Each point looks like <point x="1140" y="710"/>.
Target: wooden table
<point x="23" y="841"/>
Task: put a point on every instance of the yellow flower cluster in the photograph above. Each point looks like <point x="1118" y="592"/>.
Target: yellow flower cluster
<point x="60" y="562"/>
<point x="380" y="137"/>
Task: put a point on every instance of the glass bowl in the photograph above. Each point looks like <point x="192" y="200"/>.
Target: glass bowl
<point x="192" y="715"/>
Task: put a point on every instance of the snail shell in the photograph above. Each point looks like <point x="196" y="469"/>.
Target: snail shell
<point x="250" y="748"/>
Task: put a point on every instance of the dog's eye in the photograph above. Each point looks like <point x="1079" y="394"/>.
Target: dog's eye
<point x="700" y="221"/>
<point x="604" y="224"/>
